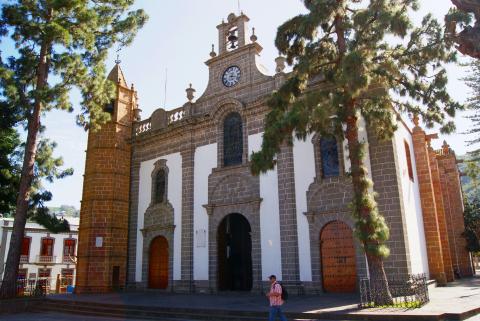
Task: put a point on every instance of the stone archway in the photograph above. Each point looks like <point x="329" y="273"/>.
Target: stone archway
<point x="158" y="263"/>
<point x="338" y="261"/>
<point x="234" y="250"/>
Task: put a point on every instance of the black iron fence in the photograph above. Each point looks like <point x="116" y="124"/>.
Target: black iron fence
<point x="410" y="291"/>
<point x="41" y="286"/>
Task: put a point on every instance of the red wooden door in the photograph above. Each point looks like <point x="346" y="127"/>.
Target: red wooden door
<point x="337" y="250"/>
<point x="158" y="266"/>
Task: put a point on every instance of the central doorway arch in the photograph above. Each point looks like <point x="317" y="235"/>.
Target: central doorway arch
<point x="158" y="263"/>
<point x="339" y="273"/>
<point x="234" y="254"/>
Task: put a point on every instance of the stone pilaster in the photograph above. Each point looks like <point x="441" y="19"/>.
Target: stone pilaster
<point x="387" y="185"/>
<point x="187" y="219"/>
<point x="429" y="209"/>
<point x="288" y="216"/>
<point x="452" y="196"/>
<point x="442" y="223"/>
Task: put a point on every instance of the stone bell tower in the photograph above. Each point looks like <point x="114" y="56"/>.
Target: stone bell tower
<point x="102" y="248"/>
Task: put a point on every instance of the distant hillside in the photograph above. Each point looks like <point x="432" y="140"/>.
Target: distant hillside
<point x="68" y="210"/>
<point x="467" y="185"/>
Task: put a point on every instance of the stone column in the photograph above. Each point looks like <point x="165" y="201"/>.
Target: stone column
<point x="429" y="209"/>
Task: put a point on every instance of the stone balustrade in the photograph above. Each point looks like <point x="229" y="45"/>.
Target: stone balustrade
<point x="160" y="119"/>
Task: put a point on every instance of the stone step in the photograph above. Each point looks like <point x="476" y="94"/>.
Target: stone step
<point x="156" y="313"/>
<point x="125" y="311"/>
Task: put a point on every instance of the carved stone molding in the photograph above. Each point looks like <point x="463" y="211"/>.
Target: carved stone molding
<point x="254" y="201"/>
<point x="157" y="228"/>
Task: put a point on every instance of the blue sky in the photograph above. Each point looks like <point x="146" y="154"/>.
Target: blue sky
<point x="178" y="37"/>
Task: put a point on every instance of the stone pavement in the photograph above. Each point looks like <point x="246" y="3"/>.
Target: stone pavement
<point x="457" y="297"/>
<point x="458" y="301"/>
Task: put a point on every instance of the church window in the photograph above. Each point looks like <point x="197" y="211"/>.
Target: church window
<point x="160" y="184"/>
<point x="110" y="107"/>
<point x="232" y="140"/>
<point x="329" y="157"/>
<point x="409" y="160"/>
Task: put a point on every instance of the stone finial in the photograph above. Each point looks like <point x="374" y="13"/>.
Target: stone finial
<point x="253" y="37"/>
<point x="280" y="64"/>
<point x="136" y="113"/>
<point x="190" y="93"/>
<point x="429" y="142"/>
<point x="213" y="53"/>
<point x="416" y="120"/>
<point x="445" y="148"/>
<point x="231" y="18"/>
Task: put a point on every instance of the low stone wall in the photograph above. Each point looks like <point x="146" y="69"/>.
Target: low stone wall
<point x="19" y="305"/>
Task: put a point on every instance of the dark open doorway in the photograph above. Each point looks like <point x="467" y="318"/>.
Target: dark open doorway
<point x="234" y="254"/>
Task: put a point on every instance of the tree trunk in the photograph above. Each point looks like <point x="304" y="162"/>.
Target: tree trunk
<point x="378" y="280"/>
<point x="8" y="289"/>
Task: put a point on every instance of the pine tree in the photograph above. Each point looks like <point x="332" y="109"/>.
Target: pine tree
<point x="468" y="40"/>
<point x="355" y="58"/>
<point x="473" y="103"/>
<point x="47" y="167"/>
<point x="472" y="224"/>
<point x="60" y="44"/>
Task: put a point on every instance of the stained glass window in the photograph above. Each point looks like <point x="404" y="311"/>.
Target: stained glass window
<point x="160" y="181"/>
<point x="232" y="140"/>
<point x="329" y="156"/>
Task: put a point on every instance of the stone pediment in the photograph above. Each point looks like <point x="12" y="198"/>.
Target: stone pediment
<point x="157" y="216"/>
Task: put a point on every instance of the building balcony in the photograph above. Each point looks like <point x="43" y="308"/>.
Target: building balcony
<point x="46" y="259"/>
<point x="68" y="260"/>
<point x="23" y="259"/>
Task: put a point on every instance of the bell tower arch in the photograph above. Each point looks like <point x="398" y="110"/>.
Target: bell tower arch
<point x="102" y="247"/>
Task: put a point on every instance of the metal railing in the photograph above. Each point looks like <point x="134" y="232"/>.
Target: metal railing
<point x="68" y="260"/>
<point x="33" y="287"/>
<point x="42" y="286"/>
<point x="47" y="259"/>
<point x="409" y="291"/>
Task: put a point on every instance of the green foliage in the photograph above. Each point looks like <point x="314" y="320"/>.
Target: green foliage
<point x="11" y="156"/>
<point x="351" y="58"/>
<point x="78" y="35"/>
<point x="69" y="210"/>
<point x="471" y="179"/>
<point x="473" y="102"/>
<point x="471" y="216"/>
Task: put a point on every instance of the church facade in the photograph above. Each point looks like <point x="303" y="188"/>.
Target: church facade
<point x="169" y="202"/>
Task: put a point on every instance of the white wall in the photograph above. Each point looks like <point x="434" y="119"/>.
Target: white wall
<point x="411" y="199"/>
<point x="205" y="161"/>
<point x="269" y="217"/>
<point x="174" y="164"/>
<point x="304" y="167"/>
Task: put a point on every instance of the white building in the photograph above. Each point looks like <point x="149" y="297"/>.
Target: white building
<point x="44" y="254"/>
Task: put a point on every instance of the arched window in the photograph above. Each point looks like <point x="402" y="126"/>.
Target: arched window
<point x="232" y="140"/>
<point x="329" y="156"/>
<point x="160" y="182"/>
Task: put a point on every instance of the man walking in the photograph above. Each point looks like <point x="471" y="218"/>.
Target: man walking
<point x="275" y="297"/>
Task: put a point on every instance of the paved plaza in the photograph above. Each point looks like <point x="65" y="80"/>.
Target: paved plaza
<point x="451" y="301"/>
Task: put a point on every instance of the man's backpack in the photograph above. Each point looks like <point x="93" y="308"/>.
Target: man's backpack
<point x="284" y="292"/>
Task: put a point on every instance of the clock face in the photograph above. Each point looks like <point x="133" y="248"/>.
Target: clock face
<point x="231" y="76"/>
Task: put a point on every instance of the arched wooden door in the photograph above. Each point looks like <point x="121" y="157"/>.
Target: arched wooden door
<point x="158" y="263"/>
<point x="339" y="273"/>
